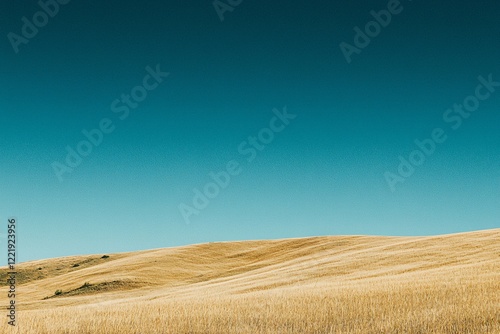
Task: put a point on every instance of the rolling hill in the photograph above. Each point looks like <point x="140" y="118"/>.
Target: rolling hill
<point x="337" y="284"/>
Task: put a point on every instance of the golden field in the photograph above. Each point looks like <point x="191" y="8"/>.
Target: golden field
<point x="338" y="284"/>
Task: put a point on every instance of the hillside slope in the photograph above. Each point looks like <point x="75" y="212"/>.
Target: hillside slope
<point x="430" y="274"/>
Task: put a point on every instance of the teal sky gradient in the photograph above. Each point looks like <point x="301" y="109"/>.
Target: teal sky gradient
<point x="322" y="175"/>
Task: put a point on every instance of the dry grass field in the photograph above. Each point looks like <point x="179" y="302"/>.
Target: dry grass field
<point x="351" y="284"/>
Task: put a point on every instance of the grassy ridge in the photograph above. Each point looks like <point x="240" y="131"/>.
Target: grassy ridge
<point x="350" y="284"/>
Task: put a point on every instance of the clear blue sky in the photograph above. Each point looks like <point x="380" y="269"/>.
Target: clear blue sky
<point x="323" y="174"/>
